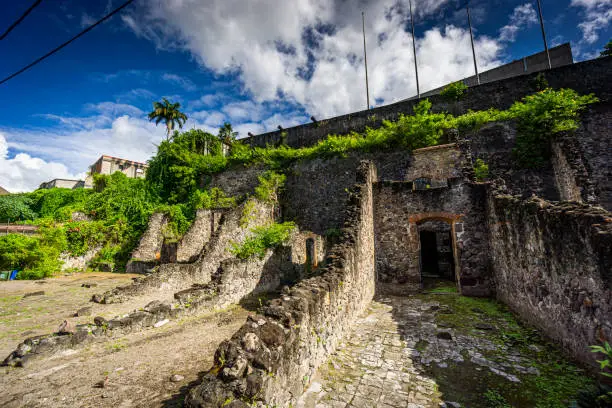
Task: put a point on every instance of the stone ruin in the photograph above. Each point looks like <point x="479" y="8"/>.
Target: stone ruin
<point x="539" y="241"/>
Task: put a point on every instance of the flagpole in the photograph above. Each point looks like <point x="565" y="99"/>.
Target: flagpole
<point x="365" y="58"/>
<point x="416" y="68"/>
<point x="544" y="34"/>
<point x="467" y="8"/>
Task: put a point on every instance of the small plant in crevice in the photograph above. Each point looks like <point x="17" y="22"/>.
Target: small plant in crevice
<point x="494" y="399"/>
<point x="454" y="92"/>
<point x="539" y="82"/>
<point x="481" y="170"/>
<point x="269" y="186"/>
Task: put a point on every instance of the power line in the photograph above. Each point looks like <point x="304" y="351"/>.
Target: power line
<point x="109" y="15"/>
<point x="20" y="19"/>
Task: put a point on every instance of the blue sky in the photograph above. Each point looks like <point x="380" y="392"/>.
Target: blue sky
<point x="256" y="64"/>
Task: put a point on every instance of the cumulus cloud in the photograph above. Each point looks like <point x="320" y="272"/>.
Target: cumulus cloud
<point x="310" y="52"/>
<point x="597" y="16"/>
<point x="68" y="148"/>
<point x="522" y="16"/>
<point x="25" y="173"/>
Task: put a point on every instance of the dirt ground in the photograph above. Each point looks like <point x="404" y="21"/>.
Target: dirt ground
<point x="138" y="366"/>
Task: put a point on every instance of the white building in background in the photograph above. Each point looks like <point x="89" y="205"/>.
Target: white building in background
<point x="109" y="164"/>
<point x="63" y="183"/>
<point x="104" y="165"/>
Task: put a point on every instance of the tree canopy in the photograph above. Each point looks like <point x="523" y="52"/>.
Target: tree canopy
<point x="169" y="113"/>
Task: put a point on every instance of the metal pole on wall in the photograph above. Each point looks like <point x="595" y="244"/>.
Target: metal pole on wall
<point x="544" y="34"/>
<point x="416" y="69"/>
<point x="365" y="58"/>
<point x="467" y="8"/>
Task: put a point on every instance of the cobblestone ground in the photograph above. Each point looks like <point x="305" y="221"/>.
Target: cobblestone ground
<point x="406" y="352"/>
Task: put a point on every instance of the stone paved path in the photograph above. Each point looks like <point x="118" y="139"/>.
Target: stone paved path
<point x="401" y="354"/>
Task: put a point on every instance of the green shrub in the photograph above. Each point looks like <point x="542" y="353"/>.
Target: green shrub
<point x="542" y="115"/>
<point x="269" y="184"/>
<point x="33" y="257"/>
<point x="16" y="207"/>
<point x="454" y="91"/>
<point x="212" y="198"/>
<point x="262" y="239"/>
<point x="481" y="170"/>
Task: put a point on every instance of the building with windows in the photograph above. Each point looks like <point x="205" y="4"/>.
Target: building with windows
<point x="109" y="164"/>
<point x="63" y="183"/>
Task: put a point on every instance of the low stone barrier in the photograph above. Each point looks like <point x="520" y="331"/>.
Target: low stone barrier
<point x="272" y="358"/>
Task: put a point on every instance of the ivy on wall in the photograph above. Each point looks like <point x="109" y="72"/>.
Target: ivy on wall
<point x="178" y="175"/>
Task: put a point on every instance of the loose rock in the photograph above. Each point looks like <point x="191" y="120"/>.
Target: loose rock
<point x="84" y="311"/>
<point x="37" y="293"/>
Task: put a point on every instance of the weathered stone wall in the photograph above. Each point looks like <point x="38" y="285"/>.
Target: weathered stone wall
<point x="177" y="276"/>
<point x="315" y="191"/>
<point x="436" y="162"/>
<point x="493" y="143"/>
<point x="552" y="265"/>
<point x="593" y="145"/>
<point x="273" y="356"/>
<point x="594" y="76"/>
<point x="398" y="211"/>
<point x="238" y="181"/>
<point x="145" y="254"/>
<point x="205" y="224"/>
<point x="78" y="262"/>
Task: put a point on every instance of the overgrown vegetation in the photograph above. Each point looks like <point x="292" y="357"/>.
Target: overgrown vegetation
<point x="481" y="170"/>
<point x="262" y="239"/>
<point x="180" y="172"/>
<point x="454" y="91"/>
<point x="542" y="115"/>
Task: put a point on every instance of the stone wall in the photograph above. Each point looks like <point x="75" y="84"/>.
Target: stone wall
<point x="177" y="276"/>
<point x="315" y="192"/>
<point x="398" y="211"/>
<point x="205" y="224"/>
<point x="78" y="262"/>
<point x="593" y="145"/>
<point x="552" y="265"/>
<point x="435" y="162"/>
<point x="493" y="143"/>
<point x="149" y="247"/>
<point x="594" y="76"/>
<point x="238" y="181"/>
<point x="273" y="357"/>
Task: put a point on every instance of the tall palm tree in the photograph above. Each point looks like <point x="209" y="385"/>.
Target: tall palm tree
<point x="169" y="113"/>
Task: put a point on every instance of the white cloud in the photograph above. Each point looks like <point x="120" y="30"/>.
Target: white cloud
<point x="522" y="16"/>
<point x="184" y="83"/>
<point x="597" y="16"/>
<point x="309" y="52"/>
<point x="25" y="173"/>
<point x="115" y="129"/>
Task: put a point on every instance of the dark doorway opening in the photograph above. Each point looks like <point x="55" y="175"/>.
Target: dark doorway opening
<point x="429" y="254"/>
<point x="437" y="254"/>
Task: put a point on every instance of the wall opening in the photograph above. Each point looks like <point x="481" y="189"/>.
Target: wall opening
<point x="311" y="256"/>
<point x="436" y="252"/>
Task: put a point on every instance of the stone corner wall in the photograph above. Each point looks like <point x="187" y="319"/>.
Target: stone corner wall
<point x="552" y="265"/>
<point x="195" y="239"/>
<point x="274" y="355"/>
<point x="145" y="255"/>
